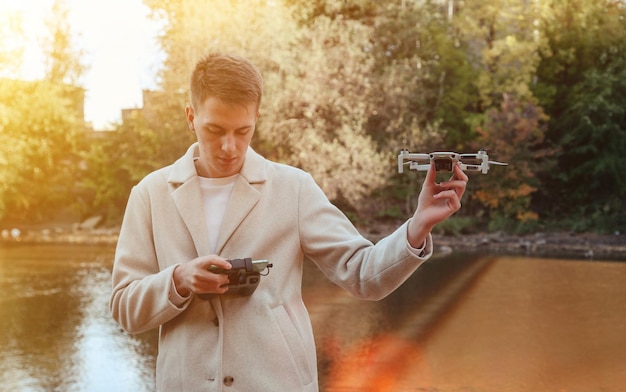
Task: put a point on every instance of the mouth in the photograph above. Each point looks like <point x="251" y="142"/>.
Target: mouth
<point x="228" y="161"/>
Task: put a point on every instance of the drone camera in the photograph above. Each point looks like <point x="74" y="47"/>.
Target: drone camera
<point x="443" y="164"/>
<point x="444" y="161"/>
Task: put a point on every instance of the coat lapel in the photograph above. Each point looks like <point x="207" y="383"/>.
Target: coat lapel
<point x="246" y="194"/>
<point x="188" y="198"/>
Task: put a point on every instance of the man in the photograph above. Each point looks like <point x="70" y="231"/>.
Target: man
<point x="223" y="201"/>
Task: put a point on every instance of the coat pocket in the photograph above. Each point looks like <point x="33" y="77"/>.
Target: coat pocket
<point x="295" y="344"/>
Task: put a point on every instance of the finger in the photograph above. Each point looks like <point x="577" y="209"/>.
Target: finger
<point x="221" y="263"/>
<point x="459" y="173"/>
<point x="458" y="180"/>
<point x="457" y="186"/>
<point x="217" y="280"/>
<point x="214" y="261"/>
<point x="223" y="282"/>
<point x="217" y="284"/>
<point x="451" y="198"/>
<point x="431" y="174"/>
<point x="453" y="184"/>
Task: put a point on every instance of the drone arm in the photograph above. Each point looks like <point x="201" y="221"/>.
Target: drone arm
<point x="419" y="167"/>
<point x="471" y="167"/>
<point x="413" y="161"/>
<point x="401" y="162"/>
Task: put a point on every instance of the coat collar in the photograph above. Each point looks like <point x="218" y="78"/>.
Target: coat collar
<point x="187" y="196"/>
<point x="254" y="168"/>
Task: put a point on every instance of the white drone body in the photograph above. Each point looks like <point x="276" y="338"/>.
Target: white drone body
<point x="444" y="161"/>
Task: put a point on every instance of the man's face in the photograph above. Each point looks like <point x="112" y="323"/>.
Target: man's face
<point x="224" y="133"/>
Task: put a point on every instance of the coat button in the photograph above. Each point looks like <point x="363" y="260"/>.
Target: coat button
<point x="228" y="381"/>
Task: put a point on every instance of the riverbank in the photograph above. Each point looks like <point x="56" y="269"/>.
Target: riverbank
<point x="562" y="245"/>
<point x="570" y="245"/>
<point x="61" y="235"/>
<point x="555" y="244"/>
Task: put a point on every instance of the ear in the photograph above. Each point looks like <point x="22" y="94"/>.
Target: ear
<point x="189" y="114"/>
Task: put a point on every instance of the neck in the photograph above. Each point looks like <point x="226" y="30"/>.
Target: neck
<point x="202" y="172"/>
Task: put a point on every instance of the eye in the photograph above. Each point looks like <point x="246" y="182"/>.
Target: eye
<point x="242" y="131"/>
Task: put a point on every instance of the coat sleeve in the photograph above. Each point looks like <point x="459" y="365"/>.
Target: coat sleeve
<point x="345" y="257"/>
<point x="140" y="299"/>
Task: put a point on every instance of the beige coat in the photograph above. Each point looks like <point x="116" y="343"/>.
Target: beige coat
<point x="263" y="342"/>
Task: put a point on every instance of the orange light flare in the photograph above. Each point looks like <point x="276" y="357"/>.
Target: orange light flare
<point x="383" y="363"/>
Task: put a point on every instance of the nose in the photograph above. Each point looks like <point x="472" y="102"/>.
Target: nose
<point x="228" y="143"/>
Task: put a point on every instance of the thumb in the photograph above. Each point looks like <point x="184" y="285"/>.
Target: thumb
<point x="217" y="262"/>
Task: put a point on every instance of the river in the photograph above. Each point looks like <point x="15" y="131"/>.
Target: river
<point x="461" y="323"/>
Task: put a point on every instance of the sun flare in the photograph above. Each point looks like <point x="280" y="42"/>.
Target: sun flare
<point x="117" y="39"/>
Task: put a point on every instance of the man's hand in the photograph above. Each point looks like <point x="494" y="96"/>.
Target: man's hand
<point x="436" y="203"/>
<point x="194" y="276"/>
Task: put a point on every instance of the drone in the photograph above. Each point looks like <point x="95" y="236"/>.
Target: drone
<point x="445" y="161"/>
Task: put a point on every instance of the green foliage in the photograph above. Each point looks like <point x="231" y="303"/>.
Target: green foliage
<point x="594" y="146"/>
<point x="500" y="223"/>
<point x="41" y="137"/>
<point x="581" y="84"/>
<point x="457" y="225"/>
<point x="136" y="149"/>
<point x="41" y="126"/>
<point x="319" y="115"/>
<point x="605" y="219"/>
<point x="305" y="12"/>
<point x="503" y="45"/>
<point x="411" y="78"/>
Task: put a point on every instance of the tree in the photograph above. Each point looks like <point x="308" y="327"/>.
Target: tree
<point x="321" y="112"/>
<point x="12" y="43"/>
<point x="38" y="154"/>
<point x="593" y="150"/>
<point x="42" y="130"/>
<point x="63" y="58"/>
<point x="115" y="161"/>
<point x="580" y="83"/>
<point x="504" y="46"/>
<point x="406" y="67"/>
<point x="515" y="133"/>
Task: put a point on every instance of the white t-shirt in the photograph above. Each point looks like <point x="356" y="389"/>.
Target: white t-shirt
<point x="215" y="195"/>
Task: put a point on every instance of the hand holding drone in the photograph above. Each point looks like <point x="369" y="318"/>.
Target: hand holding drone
<point x="445" y="161"/>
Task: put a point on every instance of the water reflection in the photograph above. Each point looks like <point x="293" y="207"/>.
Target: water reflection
<point x="536" y="325"/>
<point x="378" y="346"/>
<point x="464" y="323"/>
<point x="55" y="331"/>
<point x="481" y="324"/>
